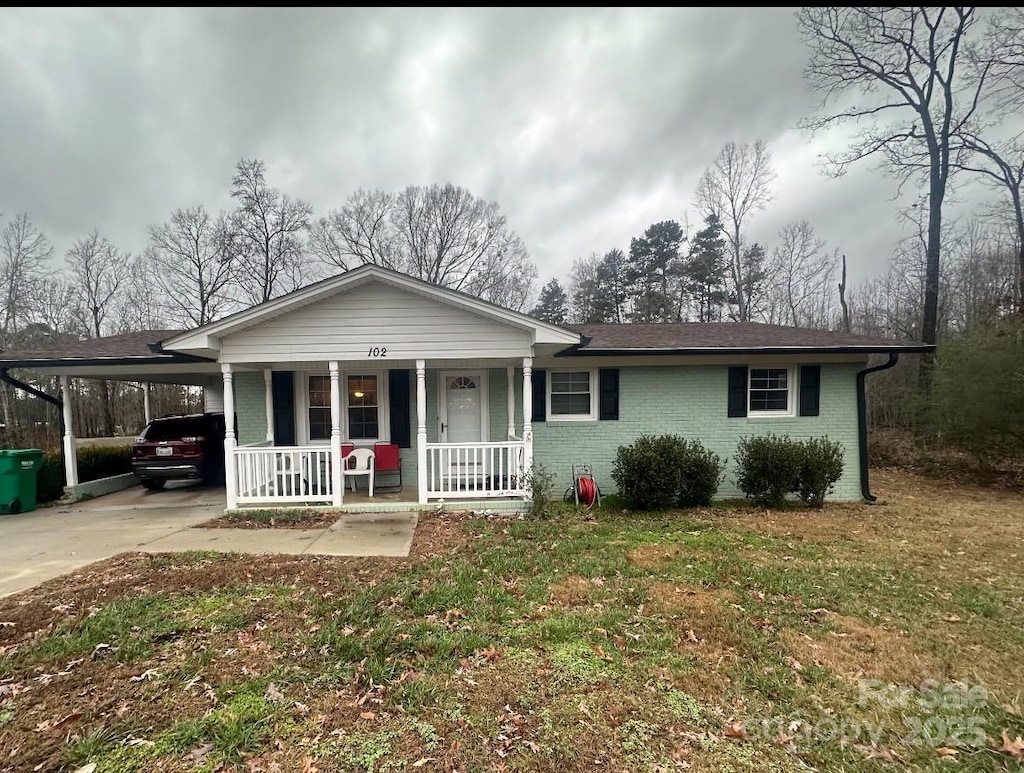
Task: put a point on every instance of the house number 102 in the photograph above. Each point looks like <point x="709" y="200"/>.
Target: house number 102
<point x="377" y="351"/>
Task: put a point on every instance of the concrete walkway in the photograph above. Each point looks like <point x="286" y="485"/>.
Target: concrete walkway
<point x="50" y="542"/>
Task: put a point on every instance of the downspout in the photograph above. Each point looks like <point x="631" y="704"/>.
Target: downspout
<point x="862" y="423"/>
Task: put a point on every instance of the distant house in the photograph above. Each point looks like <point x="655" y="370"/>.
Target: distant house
<point x="474" y="394"/>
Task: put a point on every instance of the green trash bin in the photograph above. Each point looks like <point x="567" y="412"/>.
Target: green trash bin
<point x="19" y="472"/>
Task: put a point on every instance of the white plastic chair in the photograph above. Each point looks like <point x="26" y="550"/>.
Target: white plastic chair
<point x="363" y="464"/>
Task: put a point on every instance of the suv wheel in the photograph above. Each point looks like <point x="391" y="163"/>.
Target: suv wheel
<point x="154" y="484"/>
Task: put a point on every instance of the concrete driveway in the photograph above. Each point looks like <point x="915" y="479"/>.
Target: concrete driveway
<point x="52" y="541"/>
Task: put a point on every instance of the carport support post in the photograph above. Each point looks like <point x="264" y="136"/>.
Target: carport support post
<point x="527" y="419"/>
<point x="421" y="430"/>
<point x="147" y="409"/>
<point x="230" y="480"/>
<point x="337" y="476"/>
<point x="70" y="447"/>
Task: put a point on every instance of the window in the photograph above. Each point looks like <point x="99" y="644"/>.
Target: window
<point x="571" y="394"/>
<point x="363" y="409"/>
<point x="319" y="407"/>
<point x="770" y="391"/>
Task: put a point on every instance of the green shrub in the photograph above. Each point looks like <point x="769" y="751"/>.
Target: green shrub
<point x="820" y="468"/>
<point x="656" y="473"/>
<point x="768" y="468"/>
<point x="94" y="462"/>
<point x="538" y="483"/>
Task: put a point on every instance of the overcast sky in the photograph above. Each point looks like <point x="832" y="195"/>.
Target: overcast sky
<point x="584" y="125"/>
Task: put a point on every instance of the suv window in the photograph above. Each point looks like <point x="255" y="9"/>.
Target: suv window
<point x="177" y="428"/>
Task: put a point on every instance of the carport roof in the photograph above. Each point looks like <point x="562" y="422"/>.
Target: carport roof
<point x="140" y="348"/>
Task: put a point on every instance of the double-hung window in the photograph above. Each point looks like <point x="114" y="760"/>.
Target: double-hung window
<point x="571" y="395"/>
<point x="361" y="407"/>
<point x="770" y="391"/>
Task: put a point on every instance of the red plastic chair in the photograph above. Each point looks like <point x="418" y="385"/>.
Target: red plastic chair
<point x="388" y="459"/>
<point x="346" y="449"/>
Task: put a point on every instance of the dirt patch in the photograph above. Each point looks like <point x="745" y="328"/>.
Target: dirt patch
<point x="653" y="556"/>
<point x="858" y="650"/>
<point x="310" y="519"/>
<point x="571" y="591"/>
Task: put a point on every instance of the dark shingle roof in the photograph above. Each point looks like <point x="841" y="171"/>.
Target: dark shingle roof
<point x="711" y="337"/>
<point x="119" y="347"/>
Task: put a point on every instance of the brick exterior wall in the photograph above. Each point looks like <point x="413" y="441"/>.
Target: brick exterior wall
<point x="691" y="401"/>
<point x="688" y="400"/>
<point x="250" y="407"/>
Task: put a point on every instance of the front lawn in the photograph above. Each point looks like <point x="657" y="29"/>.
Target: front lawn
<point x="855" y="638"/>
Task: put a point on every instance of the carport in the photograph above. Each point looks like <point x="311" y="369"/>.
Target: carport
<point x="135" y="357"/>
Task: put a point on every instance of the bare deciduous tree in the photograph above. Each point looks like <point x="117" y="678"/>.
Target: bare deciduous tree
<point x="98" y="271"/>
<point x="803" y="272"/>
<point x="24" y="251"/>
<point x="906" y="63"/>
<point x="190" y="260"/>
<point x="360" y="232"/>
<point x="735" y="186"/>
<point x="1002" y="165"/>
<point x="441" y="234"/>
<point x="270" y="226"/>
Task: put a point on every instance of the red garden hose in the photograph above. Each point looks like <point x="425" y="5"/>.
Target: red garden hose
<point x="587" y="491"/>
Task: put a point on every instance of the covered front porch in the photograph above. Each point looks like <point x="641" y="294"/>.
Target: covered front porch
<point x="461" y="428"/>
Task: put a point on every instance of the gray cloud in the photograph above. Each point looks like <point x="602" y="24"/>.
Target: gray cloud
<point x="585" y="125"/>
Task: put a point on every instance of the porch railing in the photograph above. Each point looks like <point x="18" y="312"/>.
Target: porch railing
<point x="475" y="470"/>
<point x="281" y="474"/>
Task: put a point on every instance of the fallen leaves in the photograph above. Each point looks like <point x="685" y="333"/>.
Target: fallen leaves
<point x="1015" y="747"/>
<point x="48" y="725"/>
<point x="273" y="694"/>
<point x="734" y="730"/>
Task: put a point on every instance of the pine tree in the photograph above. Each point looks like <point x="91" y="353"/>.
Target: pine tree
<point x="704" y="274"/>
<point x="552" y="305"/>
<point x="611" y="298"/>
<point x="654" y="267"/>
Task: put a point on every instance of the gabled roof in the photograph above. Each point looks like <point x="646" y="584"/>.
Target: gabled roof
<point x="726" y="338"/>
<point x="139" y="348"/>
<point x="206" y="338"/>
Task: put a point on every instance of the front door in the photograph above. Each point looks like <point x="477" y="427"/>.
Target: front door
<point x="462" y="412"/>
<point x="462" y="408"/>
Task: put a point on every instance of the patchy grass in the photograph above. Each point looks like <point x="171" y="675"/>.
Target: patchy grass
<point x="273" y="519"/>
<point x="727" y="639"/>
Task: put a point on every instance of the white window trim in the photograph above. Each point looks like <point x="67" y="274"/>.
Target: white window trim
<point x="790" y="392"/>
<point x="592" y="416"/>
<point x="383" y="407"/>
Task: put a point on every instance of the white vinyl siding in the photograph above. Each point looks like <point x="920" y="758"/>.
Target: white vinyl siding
<point x="378" y="324"/>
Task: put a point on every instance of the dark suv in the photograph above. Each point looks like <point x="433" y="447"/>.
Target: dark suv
<point x="179" y="448"/>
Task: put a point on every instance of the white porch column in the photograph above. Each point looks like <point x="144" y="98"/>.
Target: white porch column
<point x="70" y="447"/>
<point x="510" y="372"/>
<point x="421" y="429"/>
<point x="337" y="478"/>
<point x="147" y="409"/>
<point x="268" y="403"/>
<point x="230" y="479"/>
<point x="527" y="414"/>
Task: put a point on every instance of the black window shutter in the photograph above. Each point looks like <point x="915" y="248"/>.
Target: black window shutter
<point x="737" y="391"/>
<point x="540" y="396"/>
<point x="608" y="394"/>
<point x="282" y="388"/>
<point x="398" y="402"/>
<point x="810" y="389"/>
